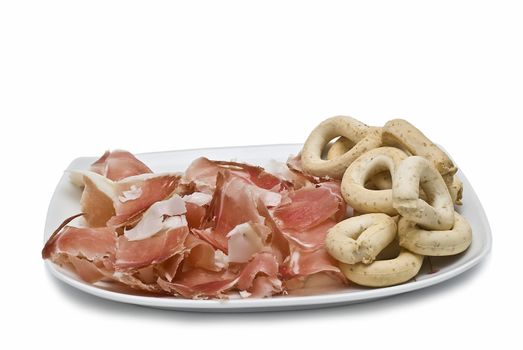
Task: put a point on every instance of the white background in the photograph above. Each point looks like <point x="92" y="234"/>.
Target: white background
<point x="78" y="77"/>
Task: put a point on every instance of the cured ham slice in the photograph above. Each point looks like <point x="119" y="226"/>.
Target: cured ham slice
<point x="197" y="204"/>
<point x="117" y="204"/>
<point x="306" y="208"/>
<point x="304" y="263"/>
<point x="201" y="254"/>
<point x="278" y="243"/>
<point x="245" y="240"/>
<point x="153" y="188"/>
<point x="233" y="204"/>
<point x="311" y="238"/>
<point x="200" y="283"/>
<point x="294" y="164"/>
<point x="90" y="252"/>
<point x="262" y="263"/>
<point x="118" y="164"/>
<point x="132" y="255"/>
<point x="204" y="173"/>
<point x="154" y="218"/>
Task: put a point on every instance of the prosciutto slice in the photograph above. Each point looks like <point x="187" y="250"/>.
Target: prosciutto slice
<point x="310" y="238"/>
<point x="200" y="283"/>
<point x="90" y="252"/>
<point x="116" y="204"/>
<point x="118" y="164"/>
<point x="204" y="173"/>
<point x="132" y="255"/>
<point x="305" y="263"/>
<point x="306" y="208"/>
<point x="233" y="203"/>
<point x="261" y="263"/>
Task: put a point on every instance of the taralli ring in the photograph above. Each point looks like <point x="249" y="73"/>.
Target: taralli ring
<point x="381" y="181"/>
<point x="438" y="212"/>
<point x="364" y="137"/>
<point x="456" y="190"/>
<point x="365" y="200"/>
<point x="435" y="243"/>
<point x="338" y="148"/>
<point x="360" y="238"/>
<point x="402" y="134"/>
<point x="382" y="273"/>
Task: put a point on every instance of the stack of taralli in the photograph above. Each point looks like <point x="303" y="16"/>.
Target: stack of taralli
<point x="402" y="188"/>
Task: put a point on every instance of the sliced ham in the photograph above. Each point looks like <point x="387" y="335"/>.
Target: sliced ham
<point x="306" y="208"/>
<point x="153" y="189"/>
<point x="246" y="239"/>
<point x="233" y="204"/>
<point x="118" y="164"/>
<point x="303" y="263"/>
<point x="197" y="204"/>
<point x="310" y="238"/>
<point x="90" y="252"/>
<point x="200" y="254"/>
<point x="132" y="255"/>
<point x="116" y="204"/>
<point x="200" y="283"/>
<point x="261" y="263"/>
<point x="277" y="241"/>
<point x="167" y="269"/>
<point x="204" y="173"/>
<point x="159" y="215"/>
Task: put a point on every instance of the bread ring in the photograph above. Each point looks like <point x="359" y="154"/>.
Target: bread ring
<point x="456" y="190"/>
<point x="438" y="212"/>
<point x="380" y="181"/>
<point x="353" y="189"/>
<point x="382" y="273"/>
<point x="338" y="148"/>
<point x="383" y="181"/>
<point x="400" y="133"/>
<point x="366" y="138"/>
<point x="360" y="238"/>
<point x="435" y="243"/>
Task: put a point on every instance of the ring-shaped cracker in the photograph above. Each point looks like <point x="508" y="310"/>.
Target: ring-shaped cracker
<point x="365" y="200"/>
<point x="412" y="173"/>
<point x="383" y="273"/>
<point x="401" y="134"/>
<point x="360" y="238"/>
<point x="364" y="137"/>
<point x="435" y="243"/>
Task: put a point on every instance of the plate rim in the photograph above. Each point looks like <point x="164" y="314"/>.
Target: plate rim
<point x="276" y="303"/>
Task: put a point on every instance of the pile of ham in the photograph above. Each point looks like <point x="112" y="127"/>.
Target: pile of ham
<point x="218" y="230"/>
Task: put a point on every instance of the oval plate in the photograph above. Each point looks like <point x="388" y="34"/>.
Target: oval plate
<point x="66" y="202"/>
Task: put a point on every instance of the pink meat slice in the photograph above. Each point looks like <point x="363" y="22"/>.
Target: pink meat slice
<point x="119" y="164"/>
<point x="200" y="283"/>
<point x="152" y="189"/>
<point x="263" y="263"/>
<point x="306" y="207"/>
<point x="90" y="252"/>
<point x="132" y="255"/>
<point x="204" y="172"/>
<point x="199" y="254"/>
<point x="303" y="263"/>
<point x="233" y="204"/>
<point x="310" y="238"/>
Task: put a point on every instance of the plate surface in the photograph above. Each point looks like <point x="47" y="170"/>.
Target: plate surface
<point x="66" y="198"/>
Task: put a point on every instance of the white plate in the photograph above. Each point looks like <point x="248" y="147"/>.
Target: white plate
<point x="65" y="202"/>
